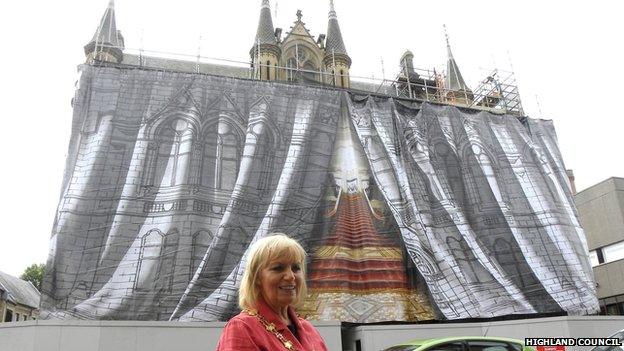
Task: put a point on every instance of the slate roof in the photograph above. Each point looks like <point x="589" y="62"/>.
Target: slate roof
<point x="187" y="66"/>
<point x="19" y="291"/>
<point x="266" y="32"/>
<point x="334" y="42"/>
<point x="219" y="70"/>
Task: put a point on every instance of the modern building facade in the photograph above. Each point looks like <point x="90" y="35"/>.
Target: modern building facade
<point x="19" y="299"/>
<point x="601" y="212"/>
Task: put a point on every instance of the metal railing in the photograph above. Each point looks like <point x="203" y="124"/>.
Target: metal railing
<point x="498" y="91"/>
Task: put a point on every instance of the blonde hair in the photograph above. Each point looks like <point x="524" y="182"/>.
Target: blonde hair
<point x="263" y="251"/>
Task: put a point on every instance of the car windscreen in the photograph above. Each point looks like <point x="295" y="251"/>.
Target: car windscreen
<point x="618" y="335"/>
<point x="402" y="348"/>
<point x="491" y="345"/>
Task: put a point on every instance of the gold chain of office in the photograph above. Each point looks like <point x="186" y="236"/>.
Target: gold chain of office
<point x="270" y="327"/>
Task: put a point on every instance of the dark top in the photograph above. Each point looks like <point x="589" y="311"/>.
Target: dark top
<point x="293" y="330"/>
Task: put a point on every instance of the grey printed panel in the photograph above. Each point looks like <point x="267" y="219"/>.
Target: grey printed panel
<point x="171" y="176"/>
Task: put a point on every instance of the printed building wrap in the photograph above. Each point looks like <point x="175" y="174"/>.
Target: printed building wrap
<point x="408" y="211"/>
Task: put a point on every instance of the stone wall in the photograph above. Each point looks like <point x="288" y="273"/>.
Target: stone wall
<point x="126" y="336"/>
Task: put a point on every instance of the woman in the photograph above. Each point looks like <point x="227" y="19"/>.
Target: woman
<point x="273" y="282"/>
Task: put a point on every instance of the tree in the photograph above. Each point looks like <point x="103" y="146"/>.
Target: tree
<point x="34" y="274"/>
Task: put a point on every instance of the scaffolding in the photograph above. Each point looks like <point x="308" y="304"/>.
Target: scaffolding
<point x="497" y="92"/>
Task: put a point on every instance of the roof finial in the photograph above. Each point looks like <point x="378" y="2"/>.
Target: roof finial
<point x="111" y="4"/>
<point x="332" y="10"/>
<point x="454" y="80"/>
<point x="299" y="15"/>
<point x="265" y="3"/>
<point x="448" y="45"/>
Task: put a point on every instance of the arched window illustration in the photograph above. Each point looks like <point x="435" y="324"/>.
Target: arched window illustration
<point x="201" y="242"/>
<point x="173" y="156"/>
<point x="453" y="183"/>
<point x="265" y="161"/>
<point x="314" y="176"/>
<point x="149" y="260"/>
<point x="474" y="180"/>
<point x="221" y="157"/>
<point x="512" y="263"/>
<point x="229" y="160"/>
<point x="482" y="185"/>
<point x="470" y="266"/>
<point x="164" y="277"/>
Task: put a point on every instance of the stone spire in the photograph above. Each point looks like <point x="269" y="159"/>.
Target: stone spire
<point x="454" y="80"/>
<point x="337" y="62"/>
<point x="266" y="32"/>
<point x="335" y="44"/>
<point x="265" y="52"/>
<point x="107" y="44"/>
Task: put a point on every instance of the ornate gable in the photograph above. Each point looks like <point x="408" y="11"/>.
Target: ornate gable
<point x="301" y="51"/>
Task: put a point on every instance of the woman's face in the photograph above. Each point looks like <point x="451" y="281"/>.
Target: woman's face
<point x="280" y="282"/>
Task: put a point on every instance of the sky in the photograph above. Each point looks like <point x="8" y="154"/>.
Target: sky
<point x="566" y="56"/>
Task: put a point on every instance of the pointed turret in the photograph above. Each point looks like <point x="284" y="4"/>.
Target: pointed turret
<point x="334" y="42"/>
<point x="265" y="52"/>
<point x="266" y="32"/>
<point x="458" y="89"/>
<point x="107" y="44"/>
<point x="337" y="61"/>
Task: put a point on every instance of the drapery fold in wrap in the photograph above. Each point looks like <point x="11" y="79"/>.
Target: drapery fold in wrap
<point x="407" y="212"/>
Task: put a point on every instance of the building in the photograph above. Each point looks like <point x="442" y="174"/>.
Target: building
<point x="19" y="299"/>
<point x="299" y="57"/>
<point x="411" y="208"/>
<point x="601" y="212"/>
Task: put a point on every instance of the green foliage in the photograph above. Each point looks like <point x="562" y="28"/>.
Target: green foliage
<point x="34" y="274"/>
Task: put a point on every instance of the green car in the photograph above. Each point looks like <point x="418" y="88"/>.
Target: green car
<point x="462" y="343"/>
<point x="618" y="335"/>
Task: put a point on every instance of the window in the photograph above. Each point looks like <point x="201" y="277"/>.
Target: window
<point x="451" y="346"/>
<point x="614" y="309"/>
<point x="173" y="154"/>
<point x="221" y="155"/>
<point x="512" y="262"/>
<point x="8" y="316"/>
<point x="483" y="345"/>
<point x="149" y="260"/>
<point x="17" y="317"/>
<point x="469" y="264"/>
<point x="309" y="71"/>
<point x="606" y="254"/>
<point x="613" y="252"/>
<point x="201" y="242"/>
<point x="593" y="258"/>
<point x="402" y="348"/>
<point x="291" y="67"/>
